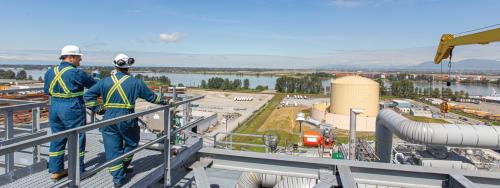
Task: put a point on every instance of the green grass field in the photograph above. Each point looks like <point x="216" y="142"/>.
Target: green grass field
<point x="273" y="121"/>
<point x="425" y="119"/>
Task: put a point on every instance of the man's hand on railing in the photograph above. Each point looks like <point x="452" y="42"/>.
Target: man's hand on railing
<point x="100" y="110"/>
<point x="169" y="102"/>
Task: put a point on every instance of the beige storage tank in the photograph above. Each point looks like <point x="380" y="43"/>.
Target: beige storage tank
<point x="319" y="111"/>
<point x="354" y="92"/>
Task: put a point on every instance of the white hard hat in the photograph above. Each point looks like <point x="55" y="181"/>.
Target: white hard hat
<point x="123" y="61"/>
<point x="71" y="50"/>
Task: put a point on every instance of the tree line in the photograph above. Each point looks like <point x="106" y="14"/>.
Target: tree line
<point x="9" y="74"/>
<point x="305" y="84"/>
<point x="226" y="84"/>
<point x="163" y="80"/>
<point x="406" y="89"/>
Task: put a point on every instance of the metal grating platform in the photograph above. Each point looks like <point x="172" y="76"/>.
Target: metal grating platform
<point x="144" y="162"/>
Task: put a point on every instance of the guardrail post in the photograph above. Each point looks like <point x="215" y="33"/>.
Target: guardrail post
<point x="215" y="140"/>
<point x="35" y="127"/>
<point x="9" y="133"/>
<point x="166" y="147"/>
<point x="230" y="141"/>
<point x="92" y="117"/>
<point x="161" y="91"/>
<point x="73" y="160"/>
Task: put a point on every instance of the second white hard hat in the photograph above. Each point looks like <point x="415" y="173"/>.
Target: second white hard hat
<point x="123" y="61"/>
<point x="71" y="50"/>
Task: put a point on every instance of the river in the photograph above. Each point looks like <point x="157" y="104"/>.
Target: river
<point x="270" y="81"/>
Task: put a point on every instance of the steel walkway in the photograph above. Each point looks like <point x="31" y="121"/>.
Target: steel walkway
<point x="144" y="162"/>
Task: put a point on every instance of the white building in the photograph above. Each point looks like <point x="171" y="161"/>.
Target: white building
<point x="420" y="113"/>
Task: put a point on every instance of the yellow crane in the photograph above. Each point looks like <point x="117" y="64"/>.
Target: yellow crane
<point x="449" y="41"/>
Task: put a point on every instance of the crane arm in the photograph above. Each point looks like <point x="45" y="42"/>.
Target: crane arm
<point x="448" y="42"/>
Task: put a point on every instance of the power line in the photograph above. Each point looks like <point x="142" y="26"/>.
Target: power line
<point x="482" y="28"/>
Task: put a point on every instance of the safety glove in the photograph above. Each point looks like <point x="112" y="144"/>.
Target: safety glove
<point x="100" y="110"/>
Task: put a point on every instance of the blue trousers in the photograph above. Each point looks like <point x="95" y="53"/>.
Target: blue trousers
<point x="65" y="114"/>
<point x="118" y="139"/>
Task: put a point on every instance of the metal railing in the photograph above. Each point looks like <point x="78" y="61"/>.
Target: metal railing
<point x="10" y="137"/>
<point x="229" y="144"/>
<point x="74" y="175"/>
<point x="7" y="91"/>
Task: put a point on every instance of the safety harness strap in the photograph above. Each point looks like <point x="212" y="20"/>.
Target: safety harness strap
<point x="58" y="79"/>
<point x="117" y="86"/>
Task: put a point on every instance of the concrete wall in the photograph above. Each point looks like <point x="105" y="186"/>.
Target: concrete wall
<point x="318" y="111"/>
<point x="363" y="123"/>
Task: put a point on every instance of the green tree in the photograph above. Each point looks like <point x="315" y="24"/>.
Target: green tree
<point x="40" y="79"/>
<point x="164" y="80"/>
<point x="246" y="83"/>
<point x="383" y="89"/>
<point x="436" y="93"/>
<point x="303" y="84"/>
<point x="237" y="84"/>
<point x="139" y="76"/>
<point x="7" y="74"/>
<point x="403" y="88"/>
<point x="203" y="84"/>
<point x="261" y="88"/>
<point x="21" y="75"/>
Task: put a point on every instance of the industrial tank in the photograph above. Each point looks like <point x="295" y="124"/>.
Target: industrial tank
<point x="318" y="111"/>
<point x="354" y="92"/>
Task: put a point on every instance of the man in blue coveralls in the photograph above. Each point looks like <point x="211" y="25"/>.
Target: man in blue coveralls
<point x="119" y="93"/>
<point x="65" y="84"/>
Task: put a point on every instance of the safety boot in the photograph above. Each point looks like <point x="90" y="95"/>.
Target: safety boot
<point x="58" y="175"/>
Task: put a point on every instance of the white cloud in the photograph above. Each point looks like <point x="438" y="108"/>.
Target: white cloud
<point x="171" y="37"/>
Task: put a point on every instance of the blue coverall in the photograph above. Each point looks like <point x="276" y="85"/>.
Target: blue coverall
<point x="65" y="84"/>
<point x="119" y="93"/>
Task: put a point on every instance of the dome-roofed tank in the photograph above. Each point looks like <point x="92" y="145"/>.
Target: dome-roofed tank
<point x="354" y="92"/>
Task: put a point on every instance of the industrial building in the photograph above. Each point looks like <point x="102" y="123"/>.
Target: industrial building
<point x="350" y="92"/>
<point x="194" y="160"/>
<point x="420" y="112"/>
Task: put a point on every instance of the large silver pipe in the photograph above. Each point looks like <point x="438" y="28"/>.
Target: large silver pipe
<point x="253" y="179"/>
<point x="456" y="135"/>
<point x="352" y="133"/>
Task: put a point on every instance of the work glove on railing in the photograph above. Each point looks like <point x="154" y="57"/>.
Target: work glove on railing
<point x="169" y="102"/>
<point x="100" y="110"/>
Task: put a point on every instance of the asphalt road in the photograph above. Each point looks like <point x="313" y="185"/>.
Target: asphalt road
<point x="451" y="117"/>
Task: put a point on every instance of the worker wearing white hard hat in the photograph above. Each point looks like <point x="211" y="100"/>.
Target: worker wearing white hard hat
<point x="119" y="93"/>
<point x="71" y="54"/>
<point x="123" y="61"/>
<point x="65" y="84"/>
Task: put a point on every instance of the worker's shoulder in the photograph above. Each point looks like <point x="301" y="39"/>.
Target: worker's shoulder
<point x="135" y="80"/>
<point x="77" y="71"/>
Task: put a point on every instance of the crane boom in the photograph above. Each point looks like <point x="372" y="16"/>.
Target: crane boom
<point x="448" y="42"/>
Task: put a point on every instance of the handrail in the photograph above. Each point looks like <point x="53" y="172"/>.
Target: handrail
<point x="121" y="157"/>
<point x="21" y="90"/>
<point x="8" y="112"/>
<point x="231" y="143"/>
<point x="21" y="145"/>
<point x="73" y="149"/>
<point x="24" y="106"/>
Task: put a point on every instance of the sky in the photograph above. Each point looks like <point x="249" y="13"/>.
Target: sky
<point x="243" y="33"/>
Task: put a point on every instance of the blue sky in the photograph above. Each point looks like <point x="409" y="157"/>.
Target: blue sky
<point x="315" y="32"/>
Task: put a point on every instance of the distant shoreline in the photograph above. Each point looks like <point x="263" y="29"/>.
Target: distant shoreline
<point x="253" y="71"/>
